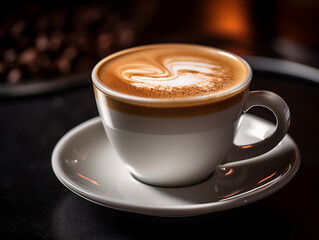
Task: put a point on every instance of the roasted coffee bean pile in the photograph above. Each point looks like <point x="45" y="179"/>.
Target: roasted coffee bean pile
<point x="45" y="42"/>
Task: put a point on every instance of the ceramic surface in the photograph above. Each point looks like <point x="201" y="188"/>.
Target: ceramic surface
<point x="179" y="141"/>
<point x="84" y="161"/>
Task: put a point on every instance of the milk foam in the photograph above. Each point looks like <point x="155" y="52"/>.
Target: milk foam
<point x="171" y="71"/>
<point x="175" y="73"/>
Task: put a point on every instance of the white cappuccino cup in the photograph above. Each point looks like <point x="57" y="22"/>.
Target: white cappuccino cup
<point x="174" y="142"/>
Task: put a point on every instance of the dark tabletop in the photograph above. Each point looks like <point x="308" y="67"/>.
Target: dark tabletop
<point x="34" y="204"/>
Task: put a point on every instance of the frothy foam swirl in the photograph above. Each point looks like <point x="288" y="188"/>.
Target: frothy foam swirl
<point x="174" y="73"/>
<point x="171" y="71"/>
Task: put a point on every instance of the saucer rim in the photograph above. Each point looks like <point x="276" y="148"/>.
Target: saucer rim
<point x="168" y="210"/>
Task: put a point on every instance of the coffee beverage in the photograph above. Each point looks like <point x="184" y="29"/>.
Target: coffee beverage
<point x="171" y="111"/>
<point x="172" y="71"/>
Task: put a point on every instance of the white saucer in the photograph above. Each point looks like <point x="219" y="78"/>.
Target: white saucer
<point x="84" y="162"/>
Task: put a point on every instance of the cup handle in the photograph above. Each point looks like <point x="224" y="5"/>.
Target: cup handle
<point x="281" y="111"/>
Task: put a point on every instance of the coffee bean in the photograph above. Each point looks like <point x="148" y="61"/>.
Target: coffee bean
<point x="64" y="65"/>
<point x="28" y="56"/>
<point x="18" y="27"/>
<point x="70" y="53"/>
<point x="125" y="36"/>
<point x="10" y="55"/>
<point x="91" y="16"/>
<point x="104" y="41"/>
<point x="56" y="40"/>
<point x="14" y="76"/>
<point x="42" y="42"/>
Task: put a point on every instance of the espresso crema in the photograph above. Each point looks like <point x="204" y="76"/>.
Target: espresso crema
<point x="171" y="71"/>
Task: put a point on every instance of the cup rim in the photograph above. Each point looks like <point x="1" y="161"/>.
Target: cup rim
<point x="162" y="102"/>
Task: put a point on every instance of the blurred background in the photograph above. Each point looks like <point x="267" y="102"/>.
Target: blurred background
<point x="62" y="40"/>
<point x="47" y="46"/>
